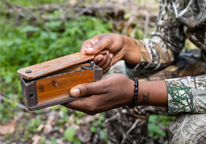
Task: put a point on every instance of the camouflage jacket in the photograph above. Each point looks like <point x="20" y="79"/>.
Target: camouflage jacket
<point x="177" y="20"/>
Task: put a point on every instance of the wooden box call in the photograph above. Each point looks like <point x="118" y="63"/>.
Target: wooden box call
<point x="48" y="83"/>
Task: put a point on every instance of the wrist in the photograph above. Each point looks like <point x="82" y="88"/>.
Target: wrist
<point x="131" y="50"/>
<point x="125" y="46"/>
<point x="135" y="97"/>
<point x="152" y="93"/>
<point x="130" y="94"/>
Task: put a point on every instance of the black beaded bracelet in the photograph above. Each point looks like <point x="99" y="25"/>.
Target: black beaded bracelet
<point x="136" y="84"/>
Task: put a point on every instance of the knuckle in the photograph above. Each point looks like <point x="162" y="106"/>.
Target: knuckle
<point x="87" y="89"/>
<point x="98" y="46"/>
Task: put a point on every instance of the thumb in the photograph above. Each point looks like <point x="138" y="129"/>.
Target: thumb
<point x="87" y="89"/>
<point x="101" y="45"/>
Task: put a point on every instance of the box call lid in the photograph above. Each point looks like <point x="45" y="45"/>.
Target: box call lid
<point x="45" y="68"/>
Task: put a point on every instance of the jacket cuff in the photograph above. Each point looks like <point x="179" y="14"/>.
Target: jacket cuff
<point x="186" y="94"/>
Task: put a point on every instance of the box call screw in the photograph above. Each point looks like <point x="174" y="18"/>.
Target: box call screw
<point x="31" y="96"/>
<point x="28" y="71"/>
<point x="92" y="65"/>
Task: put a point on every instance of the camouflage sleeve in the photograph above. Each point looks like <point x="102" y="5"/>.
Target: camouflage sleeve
<point x="165" y="43"/>
<point x="187" y="94"/>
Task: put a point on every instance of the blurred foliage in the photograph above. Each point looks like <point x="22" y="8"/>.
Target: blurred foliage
<point x="157" y="125"/>
<point x="69" y="134"/>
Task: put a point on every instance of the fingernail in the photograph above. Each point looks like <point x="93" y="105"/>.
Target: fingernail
<point x="111" y="55"/>
<point x="90" y="49"/>
<point x="75" y="92"/>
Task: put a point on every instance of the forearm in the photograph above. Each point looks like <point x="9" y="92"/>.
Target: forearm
<point x="152" y="93"/>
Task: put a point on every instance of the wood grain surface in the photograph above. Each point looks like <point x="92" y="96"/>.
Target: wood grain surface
<point x="47" y="67"/>
<point x="69" y="69"/>
<point x="55" y="87"/>
<point x="54" y="65"/>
